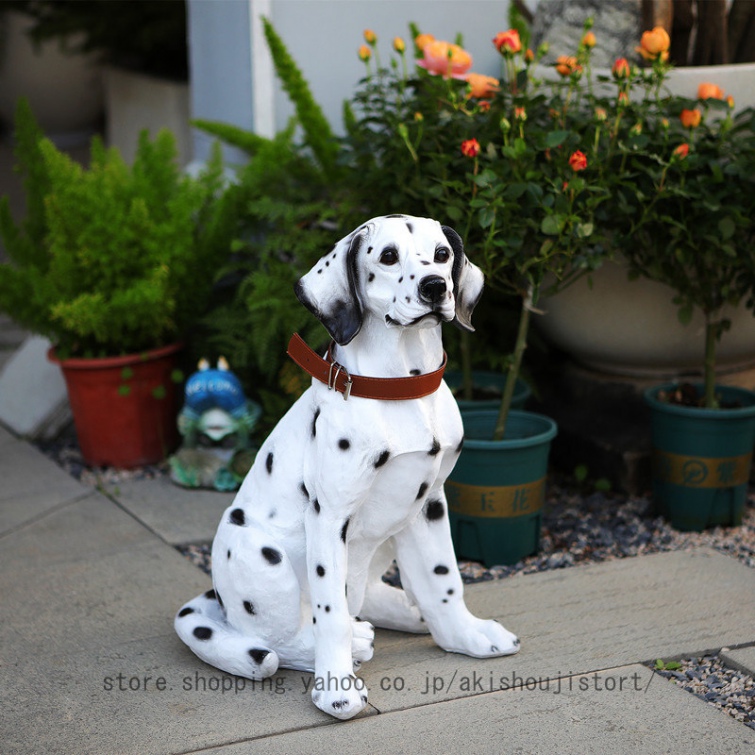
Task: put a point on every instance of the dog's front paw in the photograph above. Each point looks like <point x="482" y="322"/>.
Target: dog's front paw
<point x="342" y="697"/>
<point x="483" y="638"/>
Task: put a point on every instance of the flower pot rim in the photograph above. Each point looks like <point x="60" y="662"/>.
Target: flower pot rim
<point x="96" y="363"/>
<point x="651" y="399"/>
<point x="549" y="431"/>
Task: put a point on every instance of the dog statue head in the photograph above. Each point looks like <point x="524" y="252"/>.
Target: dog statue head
<point x="407" y="271"/>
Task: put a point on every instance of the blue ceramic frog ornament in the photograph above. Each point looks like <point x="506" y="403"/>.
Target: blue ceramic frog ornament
<point x="216" y="423"/>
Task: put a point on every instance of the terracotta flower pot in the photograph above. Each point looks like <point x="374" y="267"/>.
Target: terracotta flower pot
<point x="124" y="408"/>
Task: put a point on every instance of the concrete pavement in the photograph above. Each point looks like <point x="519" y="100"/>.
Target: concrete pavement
<point x="89" y="663"/>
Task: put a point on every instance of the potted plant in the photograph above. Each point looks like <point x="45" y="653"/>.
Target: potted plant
<point x="114" y="265"/>
<point x="686" y="221"/>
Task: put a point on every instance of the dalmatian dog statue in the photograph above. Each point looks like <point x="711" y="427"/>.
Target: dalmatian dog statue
<point x="346" y="483"/>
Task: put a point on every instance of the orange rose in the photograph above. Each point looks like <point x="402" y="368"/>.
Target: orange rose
<point x="621" y="69"/>
<point x="508" y="42"/>
<point x="708" y="91"/>
<point x="444" y="59"/>
<point x="566" y="65"/>
<point x="578" y="161"/>
<point x="589" y="40"/>
<point x="529" y="56"/>
<point x="422" y="40"/>
<point x="682" y="151"/>
<point x="398" y="45"/>
<point x="370" y="37"/>
<point x="482" y="86"/>
<point x="364" y="53"/>
<point x="730" y="101"/>
<point x="520" y="114"/>
<point x="470" y="148"/>
<point x="690" y="118"/>
<point x="654" y="44"/>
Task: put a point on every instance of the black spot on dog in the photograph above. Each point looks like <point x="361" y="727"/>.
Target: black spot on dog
<point x="304" y="490"/>
<point x="410" y="227"/>
<point x="229" y="553"/>
<point x="258" y="655"/>
<point x="220" y="601"/>
<point x="249" y="607"/>
<point x="401" y="279"/>
<point x="343" y="530"/>
<point x="272" y="514"/>
<point x="327" y="609"/>
<point x="424" y="262"/>
<point x="319" y="272"/>
<point x="269" y="463"/>
<point x="494" y="648"/>
<point x="185" y="612"/>
<point x="314" y="422"/>
<point x="445" y="600"/>
<point x="320" y="570"/>
<point x="334" y="256"/>
<point x="422" y="490"/>
<point x="369" y="250"/>
<point x="415" y="372"/>
<point x="211" y="595"/>
<point x="435" y="447"/>
<point x="434" y="511"/>
<point x="272" y="556"/>
<point x="202" y="633"/>
<point x="411" y="277"/>
<point x="408" y="299"/>
<point x="344" y="444"/>
<point x="460" y="446"/>
<point x="316" y="504"/>
<point x="384" y="456"/>
<point x="370" y="277"/>
<point x="314" y="620"/>
<point x="440" y="569"/>
<point x="449" y="592"/>
<point x="237" y="517"/>
<point x="327" y="264"/>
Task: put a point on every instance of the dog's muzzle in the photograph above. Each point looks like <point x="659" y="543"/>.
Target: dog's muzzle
<point x="432" y="289"/>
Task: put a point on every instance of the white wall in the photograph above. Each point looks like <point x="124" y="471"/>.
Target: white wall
<point x="231" y="81"/>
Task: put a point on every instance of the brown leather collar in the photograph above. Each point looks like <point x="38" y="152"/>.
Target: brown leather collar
<point x="336" y="378"/>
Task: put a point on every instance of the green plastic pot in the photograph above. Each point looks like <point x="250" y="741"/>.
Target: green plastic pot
<point x="701" y="459"/>
<point x="496" y="491"/>
<point x="493" y="382"/>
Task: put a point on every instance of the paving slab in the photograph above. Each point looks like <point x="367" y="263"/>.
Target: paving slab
<point x="32" y="485"/>
<point x="740" y="658"/>
<point x="579" y="620"/>
<point x="622" y="710"/>
<point x="178" y="515"/>
<point x="79" y="619"/>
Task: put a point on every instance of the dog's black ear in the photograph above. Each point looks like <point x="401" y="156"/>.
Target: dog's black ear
<point x="330" y="290"/>
<point x="468" y="281"/>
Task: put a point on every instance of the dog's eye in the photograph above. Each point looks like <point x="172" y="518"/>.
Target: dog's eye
<point x="442" y="255"/>
<point x="389" y="256"/>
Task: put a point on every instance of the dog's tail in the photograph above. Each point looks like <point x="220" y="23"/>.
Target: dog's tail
<point x="202" y="625"/>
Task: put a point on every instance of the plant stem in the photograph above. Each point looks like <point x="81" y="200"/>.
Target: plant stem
<point x="515" y="366"/>
<point x="711" y="336"/>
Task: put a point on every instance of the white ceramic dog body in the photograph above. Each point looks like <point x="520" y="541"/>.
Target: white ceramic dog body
<point x="342" y="487"/>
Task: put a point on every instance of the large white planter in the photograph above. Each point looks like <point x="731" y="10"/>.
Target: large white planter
<point x="135" y="101"/>
<point x="64" y="90"/>
<point x="631" y="328"/>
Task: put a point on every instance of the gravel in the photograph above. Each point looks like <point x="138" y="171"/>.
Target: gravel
<point x="579" y="527"/>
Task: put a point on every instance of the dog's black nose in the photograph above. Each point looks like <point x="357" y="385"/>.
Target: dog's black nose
<point x="432" y="289"/>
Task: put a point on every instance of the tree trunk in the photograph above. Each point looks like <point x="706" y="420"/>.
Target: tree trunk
<point x="742" y="31"/>
<point x="710" y="45"/>
<point x="681" y="32"/>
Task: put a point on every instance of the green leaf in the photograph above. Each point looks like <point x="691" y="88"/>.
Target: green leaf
<point x="552" y="225"/>
<point x="159" y="392"/>
<point x="124" y="390"/>
<point x="486" y="217"/>
<point x="580" y="472"/>
<point x="685" y="314"/>
<point x="177" y="376"/>
<point x="727" y="227"/>
<point x="584" y="230"/>
<point x="454" y="213"/>
<point x="127" y="373"/>
<point x="555" y="138"/>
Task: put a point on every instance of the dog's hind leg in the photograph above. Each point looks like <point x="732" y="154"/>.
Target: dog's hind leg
<point x="386" y="606"/>
<point x="203" y="626"/>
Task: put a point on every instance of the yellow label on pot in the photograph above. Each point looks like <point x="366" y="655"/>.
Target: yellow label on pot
<point x="697" y="472"/>
<point x="495" y="501"/>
